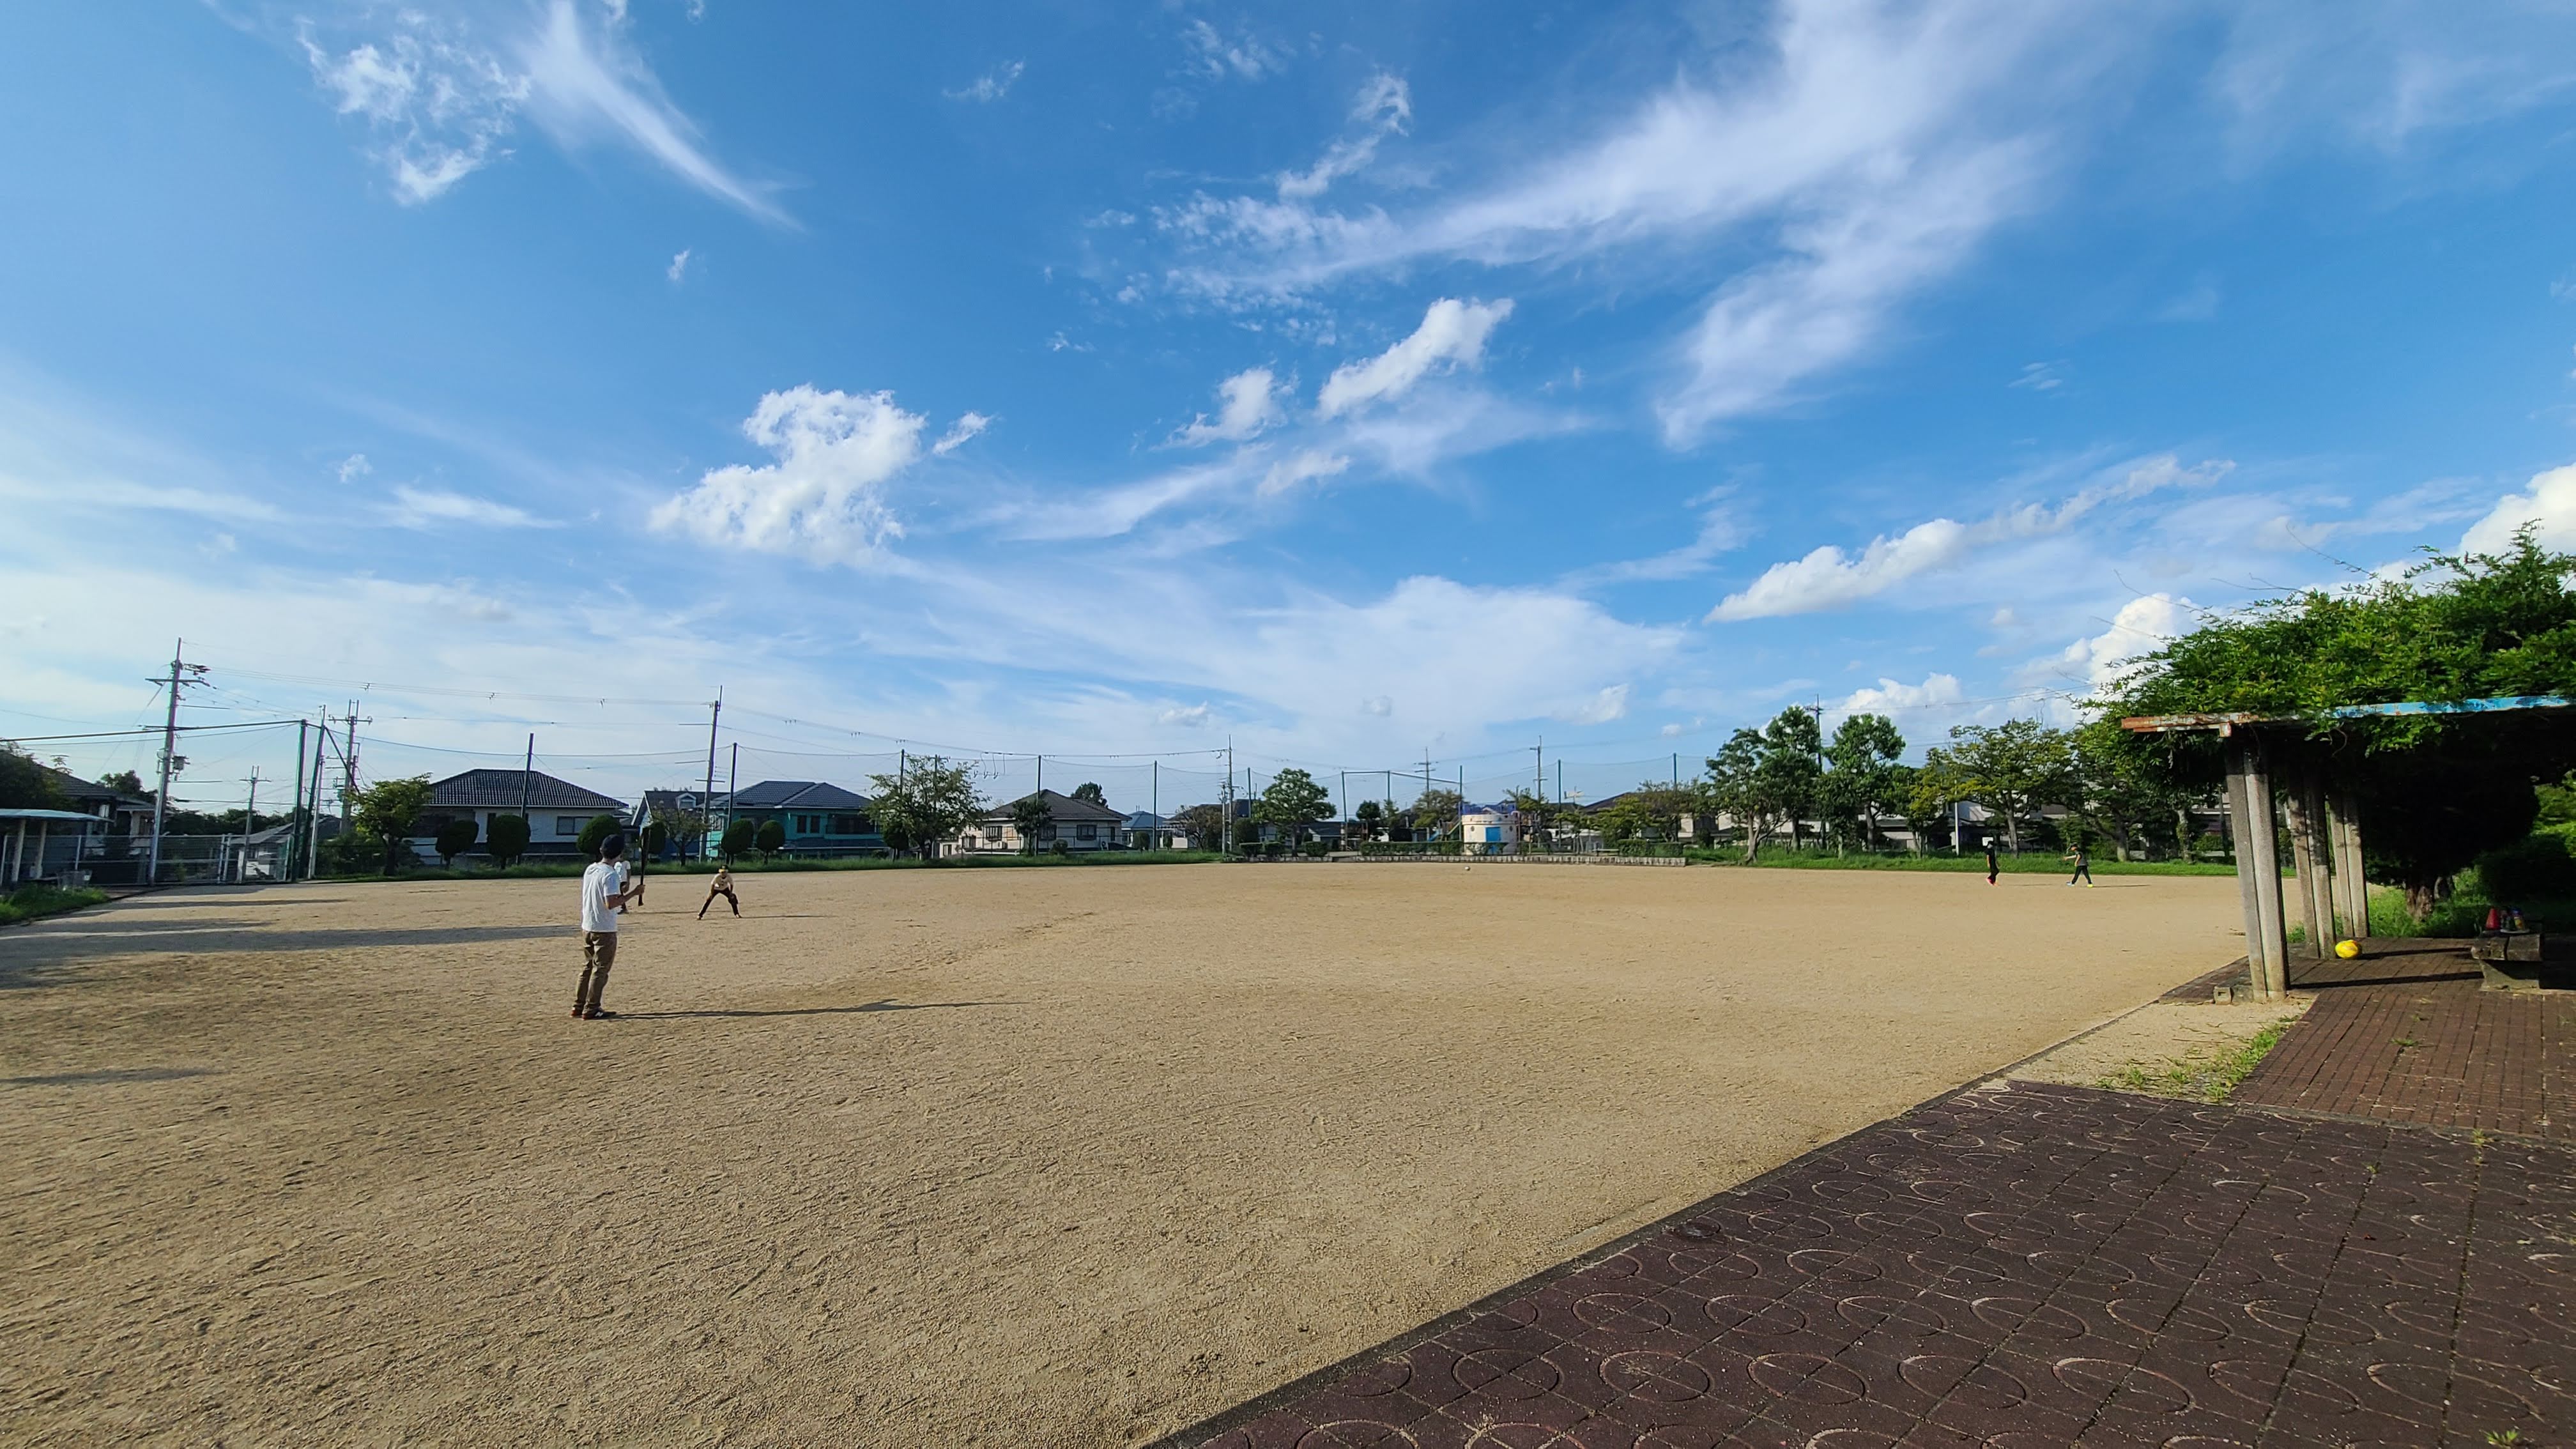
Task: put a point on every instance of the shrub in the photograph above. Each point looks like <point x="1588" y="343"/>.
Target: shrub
<point x="455" y="838"/>
<point x="2540" y="866"/>
<point x="1060" y="848"/>
<point x="507" y="840"/>
<point x="772" y="837"/>
<point x="738" y="838"/>
<point x="599" y="829"/>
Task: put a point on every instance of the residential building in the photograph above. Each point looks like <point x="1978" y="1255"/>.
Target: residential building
<point x="1489" y="829"/>
<point x="1146" y="830"/>
<point x="557" y="809"/>
<point x="1078" y="825"/>
<point x="820" y="819"/>
<point x="124" y="812"/>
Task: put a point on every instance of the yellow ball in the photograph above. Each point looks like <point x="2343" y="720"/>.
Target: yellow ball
<point x="2347" y="949"/>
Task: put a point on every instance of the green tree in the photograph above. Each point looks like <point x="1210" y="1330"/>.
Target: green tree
<point x="2011" y="769"/>
<point x="124" y="782"/>
<point x="1860" y="778"/>
<point x="2435" y="791"/>
<point x="2123" y="791"/>
<point x="928" y="803"/>
<point x="1767" y="778"/>
<point x="455" y="838"/>
<point x="739" y="836"/>
<point x="1247" y="833"/>
<point x="670" y="825"/>
<point x="1202" y="826"/>
<point x="1370" y="817"/>
<point x="1291" y="804"/>
<point x="507" y="838"/>
<point x="1435" y="814"/>
<point x="595" y="831"/>
<point x="1030" y="814"/>
<point x="26" y="784"/>
<point x="1091" y="792"/>
<point x="387" y="809"/>
<point x="770" y="839"/>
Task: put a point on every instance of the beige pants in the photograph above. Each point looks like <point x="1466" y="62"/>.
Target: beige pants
<point x="598" y="953"/>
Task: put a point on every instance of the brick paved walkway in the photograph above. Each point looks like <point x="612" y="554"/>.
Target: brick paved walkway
<point x="2406" y="1035"/>
<point x="2022" y="1267"/>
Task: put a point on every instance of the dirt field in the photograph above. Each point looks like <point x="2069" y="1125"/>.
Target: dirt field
<point x="1059" y="1157"/>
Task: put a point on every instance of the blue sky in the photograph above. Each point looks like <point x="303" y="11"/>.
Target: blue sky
<point x="1350" y="381"/>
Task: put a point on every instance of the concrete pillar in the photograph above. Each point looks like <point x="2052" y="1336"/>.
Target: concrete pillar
<point x="2265" y="858"/>
<point x="2352" y="888"/>
<point x="2304" y="805"/>
<point x="2240" y="825"/>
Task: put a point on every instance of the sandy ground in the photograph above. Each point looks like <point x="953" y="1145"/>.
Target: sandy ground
<point x="1061" y="1157"/>
<point x="2157" y="1039"/>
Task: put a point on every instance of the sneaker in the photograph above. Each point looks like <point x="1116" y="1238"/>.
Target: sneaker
<point x="602" y="1013"/>
<point x="579" y="1011"/>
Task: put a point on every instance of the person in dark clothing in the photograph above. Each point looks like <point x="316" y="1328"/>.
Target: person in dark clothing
<point x="1994" y="867"/>
<point x="2083" y="867"/>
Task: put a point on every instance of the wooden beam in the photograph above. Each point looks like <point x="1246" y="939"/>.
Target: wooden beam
<point x="2240" y="826"/>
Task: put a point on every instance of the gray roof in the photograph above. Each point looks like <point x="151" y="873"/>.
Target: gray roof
<point x="797" y="795"/>
<point x="499" y="790"/>
<point x="73" y="787"/>
<point x="1063" y="809"/>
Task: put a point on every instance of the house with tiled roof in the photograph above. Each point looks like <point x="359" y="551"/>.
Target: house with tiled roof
<point x="556" y="809"/>
<point x="1076" y="824"/>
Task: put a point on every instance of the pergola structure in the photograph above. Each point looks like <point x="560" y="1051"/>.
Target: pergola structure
<point x="13" y="848"/>
<point x="2324" y="826"/>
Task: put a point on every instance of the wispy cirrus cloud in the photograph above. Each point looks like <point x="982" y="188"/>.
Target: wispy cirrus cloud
<point x="441" y="94"/>
<point x="991" y="86"/>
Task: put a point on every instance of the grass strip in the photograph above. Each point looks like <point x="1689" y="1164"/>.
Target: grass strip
<point x="30" y="902"/>
<point x="2203" y="1076"/>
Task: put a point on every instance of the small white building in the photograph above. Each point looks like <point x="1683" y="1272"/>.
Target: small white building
<point x="1489" y="829"/>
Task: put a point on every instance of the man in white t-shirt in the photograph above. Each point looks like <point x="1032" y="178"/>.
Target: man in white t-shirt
<point x="603" y="896"/>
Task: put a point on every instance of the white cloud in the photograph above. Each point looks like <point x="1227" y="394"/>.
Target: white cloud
<point x="1610" y="704"/>
<point x="821" y="499"/>
<point x="967" y="426"/>
<point x="992" y="85"/>
<point x="1244" y="57"/>
<point x="1452" y="332"/>
<point x="1188" y="717"/>
<point x="587" y="82"/>
<point x="1303" y="467"/>
<point x="1829" y="578"/>
<point x="441" y="99"/>
<point x="1249" y="405"/>
<point x="1719" y="532"/>
<point x="438" y="104"/>
<point x="431" y="507"/>
<point x="679" y="265"/>
<point x="1937" y="691"/>
<point x="1384" y="108"/>
<point x="2143" y="625"/>
<point x="2549" y="501"/>
<point x="1381" y="706"/>
<point x="355" y="466"/>
<point x="2041" y="376"/>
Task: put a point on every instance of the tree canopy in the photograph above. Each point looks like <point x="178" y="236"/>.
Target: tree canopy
<point x="386" y="810"/>
<point x="2435" y="791"/>
<point x="930" y="801"/>
<point x="25" y="784"/>
<point x="1291" y="804"/>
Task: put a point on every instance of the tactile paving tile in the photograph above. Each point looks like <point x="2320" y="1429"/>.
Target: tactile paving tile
<point x="2025" y="1266"/>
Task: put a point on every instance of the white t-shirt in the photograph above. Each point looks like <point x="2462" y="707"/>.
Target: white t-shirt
<point x="598" y="883"/>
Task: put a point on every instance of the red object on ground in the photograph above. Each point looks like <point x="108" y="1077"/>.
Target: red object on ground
<point x="2495" y="920"/>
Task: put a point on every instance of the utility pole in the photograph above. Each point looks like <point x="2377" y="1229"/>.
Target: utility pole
<point x="293" y="846"/>
<point x="250" y="821"/>
<point x="349" y="766"/>
<point x="1539" y="787"/>
<point x="313" y="819"/>
<point x="733" y="782"/>
<point x="1225" y="832"/>
<point x="170" y="760"/>
<point x="715" y="712"/>
<point x="1041" y="791"/>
